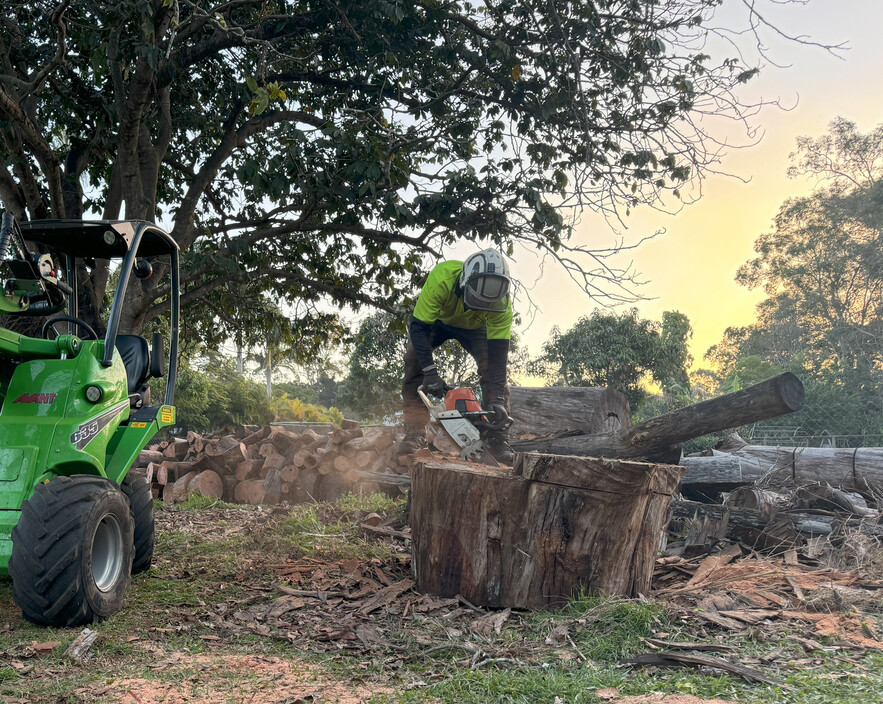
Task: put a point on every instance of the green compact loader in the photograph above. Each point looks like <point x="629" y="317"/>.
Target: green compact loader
<point x="75" y="412"/>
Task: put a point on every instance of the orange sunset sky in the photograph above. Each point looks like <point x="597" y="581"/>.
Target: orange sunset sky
<point x="691" y="267"/>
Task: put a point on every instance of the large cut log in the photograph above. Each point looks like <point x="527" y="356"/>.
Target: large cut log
<point x="720" y="472"/>
<point x="147" y="456"/>
<point x="534" y="537"/>
<point x="846" y="468"/>
<point x="558" y="410"/>
<point x="207" y="484"/>
<point x="659" y="439"/>
<point x="177" y="449"/>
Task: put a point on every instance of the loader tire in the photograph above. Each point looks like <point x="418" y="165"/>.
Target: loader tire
<point x="137" y="489"/>
<point x="72" y="552"/>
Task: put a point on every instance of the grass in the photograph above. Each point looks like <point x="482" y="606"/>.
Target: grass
<point x="370" y="503"/>
<point x="329" y="531"/>
<point x="195" y="502"/>
<point x="830" y="681"/>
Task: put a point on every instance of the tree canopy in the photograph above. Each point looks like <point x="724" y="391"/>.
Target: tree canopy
<point x="822" y="263"/>
<point x="621" y="351"/>
<point x="315" y="152"/>
<point x="821" y="266"/>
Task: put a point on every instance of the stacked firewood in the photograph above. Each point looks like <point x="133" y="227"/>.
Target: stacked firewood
<point x="272" y="464"/>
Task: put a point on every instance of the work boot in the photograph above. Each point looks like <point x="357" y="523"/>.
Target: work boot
<point x="497" y="444"/>
<point x="415" y="438"/>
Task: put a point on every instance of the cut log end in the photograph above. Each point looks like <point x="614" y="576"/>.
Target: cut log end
<point x="791" y="391"/>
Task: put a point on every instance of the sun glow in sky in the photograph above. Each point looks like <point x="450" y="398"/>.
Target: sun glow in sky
<point x="692" y="265"/>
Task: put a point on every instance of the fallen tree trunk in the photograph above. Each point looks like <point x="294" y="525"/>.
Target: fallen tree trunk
<point x="720" y="472"/>
<point x="560" y="410"/>
<point x="845" y="468"/>
<point x="659" y="439"/>
<point x="531" y="541"/>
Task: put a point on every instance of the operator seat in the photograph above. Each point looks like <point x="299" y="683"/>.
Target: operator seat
<point x="136" y="357"/>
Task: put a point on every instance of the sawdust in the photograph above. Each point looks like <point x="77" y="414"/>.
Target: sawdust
<point x="257" y="680"/>
<point x="844" y="628"/>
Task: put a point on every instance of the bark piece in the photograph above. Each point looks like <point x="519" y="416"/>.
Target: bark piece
<point x="676" y="659"/>
<point x="78" y="650"/>
<point x="386" y="596"/>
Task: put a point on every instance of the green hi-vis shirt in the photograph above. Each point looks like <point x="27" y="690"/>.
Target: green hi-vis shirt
<point x="439" y="301"/>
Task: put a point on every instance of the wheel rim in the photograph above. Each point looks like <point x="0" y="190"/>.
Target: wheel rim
<point x="107" y="553"/>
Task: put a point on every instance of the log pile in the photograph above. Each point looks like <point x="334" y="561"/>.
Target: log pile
<point x="270" y="465"/>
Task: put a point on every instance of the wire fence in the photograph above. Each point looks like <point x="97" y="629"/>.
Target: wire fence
<point x="820" y="425"/>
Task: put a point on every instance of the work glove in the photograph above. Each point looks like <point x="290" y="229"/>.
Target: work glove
<point x="433" y="383"/>
<point x="498" y="416"/>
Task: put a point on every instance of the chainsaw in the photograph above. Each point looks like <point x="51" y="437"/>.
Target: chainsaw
<point x="463" y="419"/>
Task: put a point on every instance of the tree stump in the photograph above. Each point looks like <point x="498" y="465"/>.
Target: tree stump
<point x="532" y="536"/>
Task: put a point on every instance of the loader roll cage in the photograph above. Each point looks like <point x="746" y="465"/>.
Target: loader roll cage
<point x="105" y="239"/>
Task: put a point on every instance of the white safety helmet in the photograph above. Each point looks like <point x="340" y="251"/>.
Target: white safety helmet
<point x="485" y="282"/>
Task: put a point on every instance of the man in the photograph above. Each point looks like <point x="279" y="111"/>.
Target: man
<point x="468" y="302"/>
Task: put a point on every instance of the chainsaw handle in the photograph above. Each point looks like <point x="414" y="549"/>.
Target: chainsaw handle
<point x="426" y="400"/>
<point x="501" y="424"/>
<point x="423" y="397"/>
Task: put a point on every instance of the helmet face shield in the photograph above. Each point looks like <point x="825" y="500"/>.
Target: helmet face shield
<point x="486" y="292"/>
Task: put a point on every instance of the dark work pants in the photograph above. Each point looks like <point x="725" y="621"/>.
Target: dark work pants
<point x="473" y="341"/>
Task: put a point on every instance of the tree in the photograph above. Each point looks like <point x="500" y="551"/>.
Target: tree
<point x="621" y="351"/>
<point x="822" y="264"/>
<point x="822" y="269"/>
<point x="212" y="395"/>
<point x="310" y="152"/>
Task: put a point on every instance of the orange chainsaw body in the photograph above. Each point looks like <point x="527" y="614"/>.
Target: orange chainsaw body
<point x="462" y="399"/>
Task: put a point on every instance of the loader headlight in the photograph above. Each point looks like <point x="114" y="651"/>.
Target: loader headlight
<point x="94" y="393"/>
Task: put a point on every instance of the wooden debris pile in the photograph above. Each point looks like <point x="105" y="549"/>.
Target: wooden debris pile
<point x="270" y="465"/>
<point x="774" y="594"/>
<point x="773" y="499"/>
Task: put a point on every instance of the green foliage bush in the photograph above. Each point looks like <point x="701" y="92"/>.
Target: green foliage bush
<point x="213" y="395"/>
<point x="286" y="408"/>
<point x="621" y="351"/>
